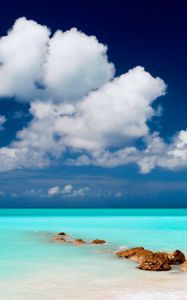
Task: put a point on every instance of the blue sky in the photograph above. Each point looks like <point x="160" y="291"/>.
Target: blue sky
<point x="93" y="104"/>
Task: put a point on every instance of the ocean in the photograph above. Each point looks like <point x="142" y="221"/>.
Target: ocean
<point x="34" y="267"/>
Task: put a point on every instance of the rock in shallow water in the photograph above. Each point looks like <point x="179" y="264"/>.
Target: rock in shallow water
<point x="157" y="261"/>
<point x="79" y="242"/>
<point x="61" y="233"/>
<point x="176" y="258"/>
<point x="98" y="242"/>
<point x="140" y="255"/>
<point x="129" y="252"/>
<point x="59" y="239"/>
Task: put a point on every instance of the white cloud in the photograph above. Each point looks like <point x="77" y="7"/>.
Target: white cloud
<point x="77" y="106"/>
<point x="54" y="191"/>
<point x="118" y="195"/>
<point x="81" y="192"/>
<point x="76" y="64"/>
<point x="19" y="115"/>
<point x="157" y="153"/>
<point x="18" y="158"/>
<point x="2" y="122"/>
<point x="31" y="193"/>
<point x="113" y="114"/>
<point x="68" y="191"/>
<point x="66" y="66"/>
<point x="168" y="156"/>
<point x="22" y="55"/>
<point x="108" y="159"/>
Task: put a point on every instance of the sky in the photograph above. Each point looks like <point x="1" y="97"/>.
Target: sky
<point x="93" y="104"/>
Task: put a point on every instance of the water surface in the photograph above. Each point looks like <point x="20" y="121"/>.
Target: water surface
<point x="33" y="267"/>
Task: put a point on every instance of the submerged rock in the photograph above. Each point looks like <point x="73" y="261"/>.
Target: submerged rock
<point x="157" y="261"/>
<point x="176" y="258"/>
<point x="79" y="242"/>
<point x="129" y="252"/>
<point x="97" y="242"/>
<point x="59" y="239"/>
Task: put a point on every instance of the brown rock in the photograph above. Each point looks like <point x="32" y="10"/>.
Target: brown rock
<point x="59" y="239"/>
<point x="61" y="233"/>
<point x="184" y="266"/>
<point x="163" y="255"/>
<point x="140" y="255"/>
<point x="129" y="252"/>
<point x="176" y="258"/>
<point x="97" y="242"/>
<point x="157" y="261"/>
<point x="79" y="242"/>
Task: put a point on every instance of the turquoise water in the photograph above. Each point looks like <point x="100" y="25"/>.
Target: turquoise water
<point x="33" y="266"/>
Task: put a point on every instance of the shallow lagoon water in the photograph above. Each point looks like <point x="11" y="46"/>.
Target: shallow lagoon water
<point x="32" y="266"/>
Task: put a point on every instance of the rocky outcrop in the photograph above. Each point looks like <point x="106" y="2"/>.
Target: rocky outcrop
<point x="157" y="261"/>
<point x="176" y="258"/>
<point x="79" y="242"/>
<point x="59" y="239"/>
<point x="61" y="233"/>
<point x="129" y="252"/>
<point x="147" y="259"/>
<point x="140" y="255"/>
<point x="63" y="237"/>
<point x="97" y="242"/>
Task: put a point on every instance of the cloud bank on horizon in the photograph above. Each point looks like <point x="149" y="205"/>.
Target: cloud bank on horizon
<point x="78" y="106"/>
<point x="68" y="191"/>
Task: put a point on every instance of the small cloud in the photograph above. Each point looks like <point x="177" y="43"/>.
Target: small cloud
<point x="20" y="114"/>
<point x="118" y="195"/>
<point x="33" y="193"/>
<point x="80" y="192"/>
<point x="2" y="122"/>
<point x="68" y="191"/>
<point x="54" y="191"/>
<point x="2" y="194"/>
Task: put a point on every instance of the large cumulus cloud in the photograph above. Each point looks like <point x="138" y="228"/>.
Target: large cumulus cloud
<point x="77" y="105"/>
<point x="65" y="66"/>
<point x="22" y="55"/>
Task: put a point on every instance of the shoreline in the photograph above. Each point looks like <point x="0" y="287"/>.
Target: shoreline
<point x="59" y="286"/>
